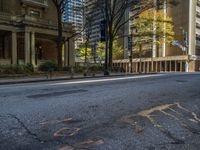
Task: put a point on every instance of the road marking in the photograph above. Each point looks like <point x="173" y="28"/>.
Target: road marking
<point x="66" y="132"/>
<point x="135" y="119"/>
<point x="56" y="121"/>
<point x="83" y="81"/>
<point x="110" y="79"/>
<point x="84" y="144"/>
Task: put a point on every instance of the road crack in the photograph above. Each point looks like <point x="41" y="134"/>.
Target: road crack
<point x="22" y="124"/>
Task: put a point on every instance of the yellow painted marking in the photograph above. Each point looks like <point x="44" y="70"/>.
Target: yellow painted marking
<point x="66" y="132"/>
<point x="84" y="144"/>
<point x="56" y="121"/>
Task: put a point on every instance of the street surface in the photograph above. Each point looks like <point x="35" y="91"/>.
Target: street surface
<point x="156" y="112"/>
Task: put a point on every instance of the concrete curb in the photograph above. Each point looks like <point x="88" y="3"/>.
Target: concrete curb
<point x="67" y="79"/>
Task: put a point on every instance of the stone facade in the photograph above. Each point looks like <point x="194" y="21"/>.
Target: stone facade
<point x="28" y="31"/>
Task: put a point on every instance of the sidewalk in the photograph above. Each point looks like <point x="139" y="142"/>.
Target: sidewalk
<point x="46" y="78"/>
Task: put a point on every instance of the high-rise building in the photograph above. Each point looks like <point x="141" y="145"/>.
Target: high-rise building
<point x="74" y="13"/>
<point x="93" y="13"/>
<point x="186" y="20"/>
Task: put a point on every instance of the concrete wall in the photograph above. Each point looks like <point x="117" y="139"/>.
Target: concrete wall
<point x="180" y="15"/>
<point x="18" y="8"/>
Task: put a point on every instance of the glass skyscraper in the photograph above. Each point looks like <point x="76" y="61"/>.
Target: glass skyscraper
<point x="74" y="14"/>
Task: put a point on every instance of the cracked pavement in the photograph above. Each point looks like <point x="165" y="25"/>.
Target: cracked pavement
<point x="157" y="112"/>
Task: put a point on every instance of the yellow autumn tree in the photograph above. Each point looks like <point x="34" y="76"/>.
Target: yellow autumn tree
<point x="84" y="54"/>
<point x="153" y="27"/>
<point x="117" y="50"/>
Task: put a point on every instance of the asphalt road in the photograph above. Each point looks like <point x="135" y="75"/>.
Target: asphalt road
<point x="157" y="112"/>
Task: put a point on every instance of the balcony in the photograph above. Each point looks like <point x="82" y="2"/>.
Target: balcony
<point x="39" y="3"/>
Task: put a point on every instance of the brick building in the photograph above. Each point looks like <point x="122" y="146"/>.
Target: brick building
<point x="28" y="31"/>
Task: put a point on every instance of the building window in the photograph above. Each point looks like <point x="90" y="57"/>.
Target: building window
<point x="1" y="5"/>
<point x="5" y="45"/>
<point x="35" y="13"/>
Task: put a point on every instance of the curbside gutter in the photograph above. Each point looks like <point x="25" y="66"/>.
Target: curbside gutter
<point x="67" y="78"/>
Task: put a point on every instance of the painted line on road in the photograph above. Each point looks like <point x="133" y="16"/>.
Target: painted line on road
<point x="108" y="79"/>
<point x="83" y="81"/>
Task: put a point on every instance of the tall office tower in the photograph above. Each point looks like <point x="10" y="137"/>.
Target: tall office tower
<point x="95" y="12"/>
<point x="182" y="57"/>
<point x="74" y="13"/>
<point x="92" y="12"/>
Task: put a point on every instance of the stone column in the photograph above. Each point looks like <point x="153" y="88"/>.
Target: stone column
<point x="170" y="66"/>
<point x="14" y="48"/>
<point x="147" y="67"/>
<point x="126" y="67"/>
<point x="165" y="66"/>
<point x="160" y="66"/>
<point x="152" y="66"/>
<point x="181" y="66"/>
<point x="136" y="67"/>
<point x="156" y="66"/>
<point x="27" y="47"/>
<point x="192" y="26"/>
<point x="144" y="67"/>
<point x="33" y="48"/>
<point x="186" y="66"/>
<point x="191" y="66"/>
<point x="175" y="66"/>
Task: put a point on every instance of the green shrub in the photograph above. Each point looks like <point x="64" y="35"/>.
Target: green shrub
<point x="67" y="68"/>
<point x="48" y="66"/>
<point x="16" y="69"/>
<point x="95" y="68"/>
<point x="79" y="69"/>
<point x="29" y="68"/>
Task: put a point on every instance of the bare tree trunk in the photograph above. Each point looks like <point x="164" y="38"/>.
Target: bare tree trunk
<point x="106" y="72"/>
<point x="68" y="51"/>
<point x="86" y="47"/>
<point x="59" y="41"/>
<point x="106" y="57"/>
<point x="110" y="52"/>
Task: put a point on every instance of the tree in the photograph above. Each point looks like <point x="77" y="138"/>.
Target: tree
<point x="100" y="51"/>
<point x="114" y="12"/>
<point x="117" y="50"/>
<point x="84" y="54"/>
<point x="60" y="8"/>
<point x="148" y="26"/>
